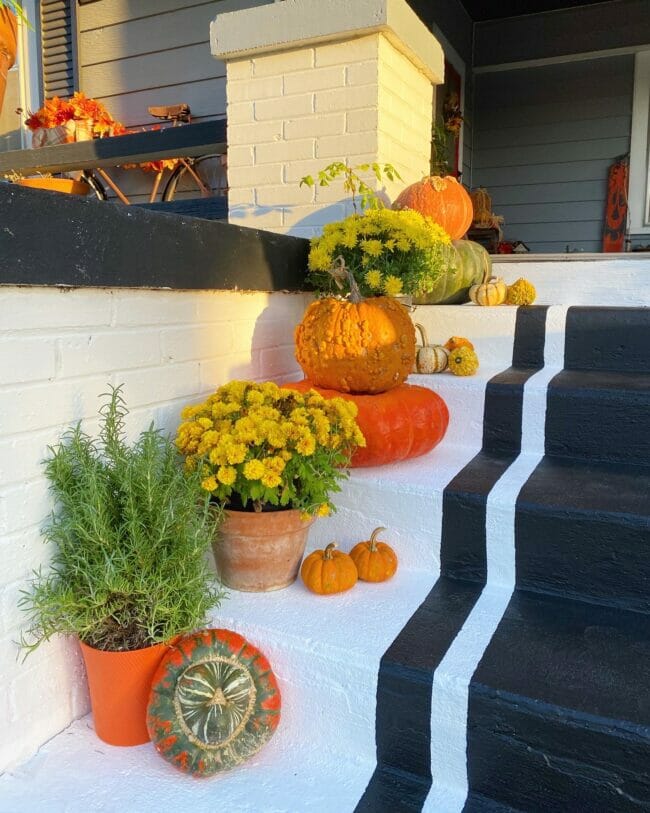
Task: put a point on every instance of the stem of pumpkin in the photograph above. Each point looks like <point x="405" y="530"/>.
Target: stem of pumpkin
<point x="486" y="269"/>
<point x="425" y="342"/>
<point x="373" y="539"/>
<point x="329" y="550"/>
<point x="340" y="271"/>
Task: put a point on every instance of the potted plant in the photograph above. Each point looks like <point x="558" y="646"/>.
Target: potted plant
<point x="387" y="252"/>
<point x="128" y="575"/>
<point x="10" y="13"/>
<point x="271" y="457"/>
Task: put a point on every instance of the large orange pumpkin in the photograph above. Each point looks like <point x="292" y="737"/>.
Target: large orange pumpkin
<point x="444" y="200"/>
<point x="8" y="46"/>
<point x="404" y="422"/>
<point x="356" y="345"/>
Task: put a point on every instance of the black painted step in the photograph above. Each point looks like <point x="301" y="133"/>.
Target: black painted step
<point x="564" y="725"/>
<point x="476" y="803"/>
<point x="599" y="416"/>
<point x="583" y="531"/>
<point x="392" y="791"/>
<point x="608" y="339"/>
<point x="404" y="691"/>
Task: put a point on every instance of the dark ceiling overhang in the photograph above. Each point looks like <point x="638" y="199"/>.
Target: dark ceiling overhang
<point x="482" y="10"/>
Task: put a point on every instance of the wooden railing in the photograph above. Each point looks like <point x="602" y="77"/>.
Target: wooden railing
<point x="187" y="141"/>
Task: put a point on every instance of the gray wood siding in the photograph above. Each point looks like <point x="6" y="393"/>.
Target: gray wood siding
<point x="136" y="54"/>
<point x="584" y="29"/>
<point x="544" y="139"/>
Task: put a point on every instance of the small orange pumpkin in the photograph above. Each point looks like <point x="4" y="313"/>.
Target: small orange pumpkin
<point x="455" y="342"/>
<point x="375" y="561"/>
<point x="329" y="571"/>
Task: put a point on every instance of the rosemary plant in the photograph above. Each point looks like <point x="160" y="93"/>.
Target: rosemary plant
<point x="129" y="537"/>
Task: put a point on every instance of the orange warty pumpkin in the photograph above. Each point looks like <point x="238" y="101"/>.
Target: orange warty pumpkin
<point x="444" y="200"/>
<point x="404" y="422"/>
<point x="329" y="571"/>
<point x="375" y="561"/>
<point x="360" y="345"/>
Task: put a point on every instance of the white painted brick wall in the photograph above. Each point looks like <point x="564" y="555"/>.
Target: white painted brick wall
<point x="291" y="113"/>
<point x="58" y="351"/>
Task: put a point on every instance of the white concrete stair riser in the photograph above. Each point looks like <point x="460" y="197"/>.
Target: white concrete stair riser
<point x="613" y="282"/>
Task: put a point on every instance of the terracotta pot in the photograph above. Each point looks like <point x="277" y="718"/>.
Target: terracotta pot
<point x="259" y="552"/>
<point x="8" y="46"/>
<point x="119" y="684"/>
<point x="66" y="185"/>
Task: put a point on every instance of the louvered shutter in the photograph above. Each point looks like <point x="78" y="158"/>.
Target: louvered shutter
<point x="58" y="47"/>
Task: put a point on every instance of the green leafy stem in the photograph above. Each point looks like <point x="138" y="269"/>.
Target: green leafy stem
<point x="353" y="183"/>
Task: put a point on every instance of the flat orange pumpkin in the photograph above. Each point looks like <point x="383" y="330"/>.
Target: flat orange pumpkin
<point x="404" y="422"/>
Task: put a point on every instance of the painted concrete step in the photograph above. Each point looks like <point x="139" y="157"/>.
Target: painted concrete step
<point x="575" y="280"/>
<point x="77" y="773"/>
<point x="559" y="709"/>
<point x="600" y="416"/>
<point x="326" y="652"/>
<point x="583" y="531"/>
<point x="608" y="339"/>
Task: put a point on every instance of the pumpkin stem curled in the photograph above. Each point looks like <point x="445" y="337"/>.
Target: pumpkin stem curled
<point x="373" y="536"/>
<point x="340" y="272"/>
<point x="486" y="269"/>
<point x="329" y="550"/>
<point x="425" y="342"/>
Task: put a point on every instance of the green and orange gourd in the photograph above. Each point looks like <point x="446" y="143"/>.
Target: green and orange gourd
<point x="214" y="703"/>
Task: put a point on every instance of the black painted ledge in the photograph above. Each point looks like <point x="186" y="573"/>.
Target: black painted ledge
<point x="47" y="238"/>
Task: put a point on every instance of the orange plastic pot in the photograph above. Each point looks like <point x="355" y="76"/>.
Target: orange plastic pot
<point x="66" y="185"/>
<point x="119" y="684"/>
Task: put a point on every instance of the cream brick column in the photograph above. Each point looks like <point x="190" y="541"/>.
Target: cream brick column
<point x="315" y="81"/>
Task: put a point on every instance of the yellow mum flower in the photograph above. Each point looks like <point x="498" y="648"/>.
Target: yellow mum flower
<point x="237" y="453"/>
<point x="306" y="445"/>
<point x="209" y="484"/>
<point x="271" y="479"/>
<point x="227" y="475"/>
<point x="275" y="464"/>
<point x="323" y="510"/>
<point x="319" y="258"/>
<point x="254" y="470"/>
<point x="392" y="285"/>
<point x="373" y="279"/>
<point x="372" y="247"/>
<point x="206" y="423"/>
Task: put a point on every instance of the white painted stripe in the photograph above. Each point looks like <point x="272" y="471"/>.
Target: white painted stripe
<point x="452" y="678"/>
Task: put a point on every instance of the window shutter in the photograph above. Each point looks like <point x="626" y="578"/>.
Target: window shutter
<point x="58" y="35"/>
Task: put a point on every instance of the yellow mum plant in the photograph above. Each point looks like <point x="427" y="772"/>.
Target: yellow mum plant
<point x="263" y="445"/>
<point x="388" y="252"/>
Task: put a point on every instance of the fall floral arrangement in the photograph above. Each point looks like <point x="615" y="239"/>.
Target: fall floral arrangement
<point x="262" y="445"/>
<point x="388" y="252"/>
<point x="56" y="112"/>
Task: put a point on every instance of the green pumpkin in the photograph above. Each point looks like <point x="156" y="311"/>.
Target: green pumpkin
<point x="214" y="703"/>
<point x="467" y="268"/>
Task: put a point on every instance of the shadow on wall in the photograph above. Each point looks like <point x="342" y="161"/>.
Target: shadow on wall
<point x="285" y="215"/>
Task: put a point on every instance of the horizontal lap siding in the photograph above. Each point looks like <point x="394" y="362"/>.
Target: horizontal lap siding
<point x="133" y="55"/>
<point x="544" y="139"/>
